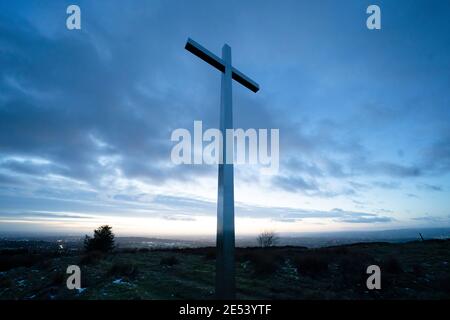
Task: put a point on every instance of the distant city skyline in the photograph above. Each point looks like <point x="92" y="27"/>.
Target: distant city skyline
<point x="86" y="115"/>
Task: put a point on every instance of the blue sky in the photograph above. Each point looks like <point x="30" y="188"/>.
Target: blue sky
<point x="86" y="115"/>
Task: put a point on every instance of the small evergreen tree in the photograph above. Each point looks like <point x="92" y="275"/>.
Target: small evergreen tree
<point x="103" y="240"/>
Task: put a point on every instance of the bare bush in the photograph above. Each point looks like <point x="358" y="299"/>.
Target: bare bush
<point x="264" y="262"/>
<point x="169" y="261"/>
<point x="267" y="239"/>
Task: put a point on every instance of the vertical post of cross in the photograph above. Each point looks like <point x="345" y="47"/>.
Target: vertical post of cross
<point x="225" y="273"/>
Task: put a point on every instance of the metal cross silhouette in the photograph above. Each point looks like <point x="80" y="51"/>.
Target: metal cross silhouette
<point x="225" y="274"/>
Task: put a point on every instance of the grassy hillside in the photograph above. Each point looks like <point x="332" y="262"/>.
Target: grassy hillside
<point x="414" y="270"/>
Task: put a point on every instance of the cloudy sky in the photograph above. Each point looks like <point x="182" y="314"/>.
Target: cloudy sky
<point x="86" y="115"/>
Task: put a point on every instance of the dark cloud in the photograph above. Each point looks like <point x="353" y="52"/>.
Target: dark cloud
<point x="43" y="215"/>
<point x="367" y="220"/>
<point x="73" y="116"/>
<point x="30" y="167"/>
<point x="293" y="214"/>
<point x="116" y="99"/>
<point x="387" y="185"/>
<point x="185" y="204"/>
<point x="294" y="184"/>
<point x="7" y="180"/>
<point x="429" y="187"/>
<point x="394" y="170"/>
<point x="308" y="187"/>
<point x="432" y="219"/>
<point x="437" y="156"/>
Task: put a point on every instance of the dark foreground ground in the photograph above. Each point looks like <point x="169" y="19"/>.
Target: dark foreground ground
<point x="414" y="270"/>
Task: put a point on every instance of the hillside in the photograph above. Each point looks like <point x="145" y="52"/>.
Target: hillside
<point x="413" y="270"/>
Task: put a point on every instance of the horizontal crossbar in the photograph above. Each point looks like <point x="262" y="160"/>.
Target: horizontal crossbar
<point x="217" y="62"/>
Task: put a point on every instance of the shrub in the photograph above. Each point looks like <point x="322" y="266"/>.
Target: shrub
<point x="337" y="251"/>
<point x="443" y="283"/>
<point x="103" y="240"/>
<point x="57" y="278"/>
<point x="353" y="269"/>
<point x="91" y="257"/>
<point x="267" y="239"/>
<point x="44" y="264"/>
<point x="169" y="261"/>
<point x="122" y="269"/>
<point x="355" y="263"/>
<point x="5" y="282"/>
<point x="392" y="265"/>
<point x="210" y="254"/>
<point x="128" y="250"/>
<point x="311" y="264"/>
<point x="264" y="263"/>
<point x="418" y="270"/>
<point x="25" y="259"/>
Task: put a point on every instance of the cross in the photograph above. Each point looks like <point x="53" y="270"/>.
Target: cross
<point x="225" y="242"/>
